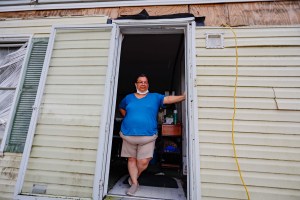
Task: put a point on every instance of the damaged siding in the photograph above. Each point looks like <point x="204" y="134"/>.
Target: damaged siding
<point x="63" y="155"/>
<point x="267" y="128"/>
<point x="40" y="27"/>
<point x="9" y="168"/>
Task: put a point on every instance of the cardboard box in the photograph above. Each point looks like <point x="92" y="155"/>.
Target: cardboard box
<point x="171" y="130"/>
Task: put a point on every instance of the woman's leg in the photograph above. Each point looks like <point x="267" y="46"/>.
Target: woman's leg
<point x="133" y="169"/>
<point x="142" y="164"/>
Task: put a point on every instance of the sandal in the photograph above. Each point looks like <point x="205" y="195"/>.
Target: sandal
<point x="133" y="189"/>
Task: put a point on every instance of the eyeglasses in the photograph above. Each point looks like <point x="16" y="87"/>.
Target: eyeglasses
<point x="142" y="82"/>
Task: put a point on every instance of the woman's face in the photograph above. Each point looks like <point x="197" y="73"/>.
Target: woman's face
<point x="142" y="84"/>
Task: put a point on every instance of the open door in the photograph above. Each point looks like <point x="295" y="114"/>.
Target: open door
<point x="63" y="156"/>
<point x="139" y="31"/>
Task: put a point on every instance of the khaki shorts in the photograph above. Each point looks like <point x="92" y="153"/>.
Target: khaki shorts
<point x="138" y="147"/>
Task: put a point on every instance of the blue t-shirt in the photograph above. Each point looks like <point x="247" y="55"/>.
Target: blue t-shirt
<point x="141" y="114"/>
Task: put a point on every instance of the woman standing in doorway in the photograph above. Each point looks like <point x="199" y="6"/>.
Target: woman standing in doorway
<point x="139" y="127"/>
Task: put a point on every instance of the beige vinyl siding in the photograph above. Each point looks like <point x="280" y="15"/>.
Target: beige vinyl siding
<point x="41" y="27"/>
<point x="63" y="155"/>
<point x="267" y="128"/>
<point x="9" y="168"/>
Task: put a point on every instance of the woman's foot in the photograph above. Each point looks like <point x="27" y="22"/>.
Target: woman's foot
<point x="133" y="189"/>
<point x="129" y="181"/>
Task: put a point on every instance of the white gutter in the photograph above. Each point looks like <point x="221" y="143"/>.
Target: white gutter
<point x="112" y="4"/>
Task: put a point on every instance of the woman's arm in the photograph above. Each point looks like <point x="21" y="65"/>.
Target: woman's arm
<point x="123" y="112"/>
<point x="174" y="99"/>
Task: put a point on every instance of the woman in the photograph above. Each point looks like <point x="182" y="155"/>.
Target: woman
<point x="139" y="127"/>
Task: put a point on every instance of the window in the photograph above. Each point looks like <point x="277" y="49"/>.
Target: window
<point x="12" y="53"/>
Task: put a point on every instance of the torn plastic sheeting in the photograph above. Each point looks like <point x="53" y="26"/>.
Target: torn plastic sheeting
<point x="10" y="68"/>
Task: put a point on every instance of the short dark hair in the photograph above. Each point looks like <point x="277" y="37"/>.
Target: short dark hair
<point x="141" y="75"/>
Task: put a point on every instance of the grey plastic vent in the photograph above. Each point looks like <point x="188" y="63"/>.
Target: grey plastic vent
<point x="39" y="189"/>
<point x="214" y="41"/>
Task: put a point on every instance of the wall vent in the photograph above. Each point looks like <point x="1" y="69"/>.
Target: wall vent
<point x="39" y="189"/>
<point x="214" y="41"/>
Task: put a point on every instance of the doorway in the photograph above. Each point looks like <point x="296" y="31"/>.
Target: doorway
<point x="162" y="58"/>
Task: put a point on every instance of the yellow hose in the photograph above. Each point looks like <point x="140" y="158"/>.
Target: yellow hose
<point x="234" y="111"/>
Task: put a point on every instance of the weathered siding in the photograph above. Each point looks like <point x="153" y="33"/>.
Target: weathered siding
<point x="9" y="168"/>
<point x="267" y="128"/>
<point x="39" y="28"/>
<point x="63" y="155"/>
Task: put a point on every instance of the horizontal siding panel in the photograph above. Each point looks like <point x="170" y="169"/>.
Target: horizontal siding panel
<point x="75" y="53"/>
<point x="251" y="32"/>
<point x="80" y="34"/>
<point x="247" y="151"/>
<point x="69" y="131"/>
<point x="223" y="91"/>
<point x="219" y="137"/>
<point x="250" y="165"/>
<point x="6" y="196"/>
<point x="288" y="104"/>
<point x="92" y="61"/>
<point x="9" y="169"/>
<point x="8" y="173"/>
<point x="73" y="99"/>
<point x="259" y="92"/>
<point x="65" y="178"/>
<point x="227" y="102"/>
<point x="7" y="186"/>
<point x="10" y="160"/>
<point x="249" y="71"/>
<point x="249" y="61"/>
<point x="249" y="52"/>
<point x="74" y="89"/>
<point x="251" y="115"/>
<point x="291" y="93"/>
<point x="41" y="27"/>
<point x="49" y="21"/>
<point x="83" y="120"/>
<point x="66" y="142"/>
<point x="238" y="191"/>
<point x="89" y="44"/>
<point x="60" y="190"/>
<point x="67" y="109"/>
<point x="250" y="126"/>
<point x="45" y="31"/>
<point x="78" y="70"/>
<point x="64" y="154"/>
<point x="251" y="42"/>
<point x="75" y="80"/>
<point x="251" y="178"/>
<point x="61" y="166"/>
<point x="249" y="81"/>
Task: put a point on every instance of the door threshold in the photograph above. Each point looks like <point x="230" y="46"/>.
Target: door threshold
<point x="126" y="197"/>
<point x="147" y="192"/>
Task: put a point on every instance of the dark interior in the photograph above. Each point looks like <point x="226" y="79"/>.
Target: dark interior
<point x="161" y="58"/>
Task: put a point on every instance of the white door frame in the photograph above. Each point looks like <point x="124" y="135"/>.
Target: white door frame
<point x="162" y="26"/>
